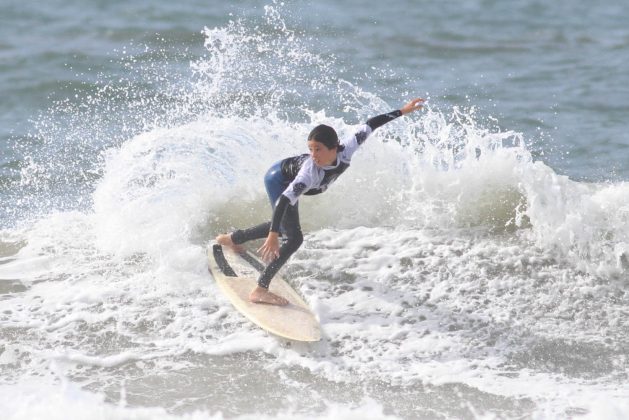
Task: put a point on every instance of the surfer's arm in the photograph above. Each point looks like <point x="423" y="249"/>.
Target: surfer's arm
<point x="280" y="208"/>
<point x="372" y="123"/>
<point x="271" y="247"/>
<point x="382" y="119"/>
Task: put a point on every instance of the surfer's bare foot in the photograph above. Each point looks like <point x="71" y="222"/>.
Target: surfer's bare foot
<point x="226" y="240"/>
<point x="262" y="295"/>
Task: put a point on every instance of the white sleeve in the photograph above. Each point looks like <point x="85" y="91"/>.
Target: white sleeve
<point x="302" y="182"/>
<point x="356" y="140"/>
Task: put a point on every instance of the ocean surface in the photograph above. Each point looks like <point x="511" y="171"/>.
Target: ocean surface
<point x="473" y="263"/>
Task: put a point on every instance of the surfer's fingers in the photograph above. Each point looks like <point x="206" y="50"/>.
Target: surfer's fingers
<point x="412" y="105"/>
<point x="262" y="252"/>
<point x="418" y="103"/>
<point x="267" y="254"/>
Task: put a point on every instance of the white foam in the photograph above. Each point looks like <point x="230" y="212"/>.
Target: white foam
<point x="66" y="401"/>
<point x="585" y="222"/>
<point x="424" y="300"/>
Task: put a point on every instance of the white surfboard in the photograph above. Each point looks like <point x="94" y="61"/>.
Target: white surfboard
<point x="237" y="275"/>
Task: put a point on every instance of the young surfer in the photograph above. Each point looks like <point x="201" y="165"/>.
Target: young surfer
<point x="287" y="180"/>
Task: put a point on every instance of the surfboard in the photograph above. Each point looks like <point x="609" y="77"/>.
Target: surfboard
<point x="237" y="275"/>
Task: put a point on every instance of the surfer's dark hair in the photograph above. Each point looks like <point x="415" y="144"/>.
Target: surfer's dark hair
<point x="327" y="136"/>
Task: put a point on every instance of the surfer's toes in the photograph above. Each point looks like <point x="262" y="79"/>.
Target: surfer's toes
<point x="281" y="301"/>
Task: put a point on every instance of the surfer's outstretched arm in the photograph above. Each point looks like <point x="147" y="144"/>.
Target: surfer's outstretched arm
<point x="365" y="130"/>
<point x="409" y="107"/>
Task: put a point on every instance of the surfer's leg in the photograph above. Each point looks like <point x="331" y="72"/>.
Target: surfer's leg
<point x="260" y="231"/>
<point x="240" y="236"/>
<point x="291" y="230"/>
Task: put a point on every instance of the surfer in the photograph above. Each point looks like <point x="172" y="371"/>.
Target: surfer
<point x="287" y="180"/>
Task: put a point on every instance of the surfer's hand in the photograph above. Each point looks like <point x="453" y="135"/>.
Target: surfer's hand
<point x="270" y="250"/>
<point x="412" y="106"/>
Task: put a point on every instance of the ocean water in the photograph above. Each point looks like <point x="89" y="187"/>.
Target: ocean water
<point x="473" y="263"/>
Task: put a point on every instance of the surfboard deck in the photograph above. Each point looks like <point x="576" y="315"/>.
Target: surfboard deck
<point x="237" y="275"/>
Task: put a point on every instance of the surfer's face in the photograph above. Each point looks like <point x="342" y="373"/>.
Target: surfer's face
<point x="321" y="155"/>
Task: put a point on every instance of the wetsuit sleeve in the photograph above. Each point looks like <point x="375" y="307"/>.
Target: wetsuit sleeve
<point x="280" y="208"/>
<point x="365" y="130"/>
<point x="382" y="119"/>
